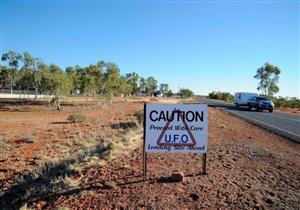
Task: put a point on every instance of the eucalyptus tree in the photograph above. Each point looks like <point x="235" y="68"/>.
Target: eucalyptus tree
<point x="56" y="84"/>
<point x="26" y="74"/>
<point x="30" y="75"/>
<point x="125" y="87"/>
<point x="164" y="88"/>
<point x="133" y="79"/>
<point x="268" y="76"/>
<point x="112" y="79"/>
<point x="142" y="84"/>
<point x="4" y="75"/>
<point x="71" y="74"/>
<point x="151" y="85"/>
<point x="13" y="60"/>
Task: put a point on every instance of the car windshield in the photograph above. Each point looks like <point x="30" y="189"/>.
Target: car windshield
<point x="262" y="99"/>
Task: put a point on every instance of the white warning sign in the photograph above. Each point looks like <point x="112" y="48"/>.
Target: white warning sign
<point x="176" y="128"/>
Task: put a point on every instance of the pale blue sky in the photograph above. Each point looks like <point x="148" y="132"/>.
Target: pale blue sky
<point x="200" y="45"/>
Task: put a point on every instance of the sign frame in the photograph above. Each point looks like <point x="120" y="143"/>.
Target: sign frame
<point x="204" y="155"/>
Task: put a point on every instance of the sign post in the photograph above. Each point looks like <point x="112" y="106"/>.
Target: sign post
<point x="204" y="163"/>
<point x="144" y="144"/>
<point x="175" y="128"/>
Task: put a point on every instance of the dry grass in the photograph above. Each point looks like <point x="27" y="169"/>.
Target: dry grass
<point x="123" y="145"/>
<point x="71" y="182"/>
<point x="28" y="139"/>
<point x="76" y="118"/>
<point x="63" y="208"/>
<point x="24" y="207"/>
<point x="57" y="175"/>
<point x="4" y="145"/>
<point x="139" y="116"/>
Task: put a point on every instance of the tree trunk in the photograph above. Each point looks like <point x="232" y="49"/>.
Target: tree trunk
<point x="35" y="97"/>
<point x="100" y="100"/>
<point x="49" y="99"/>
<point x="58" y="104"/>
<point x="11" y="83"/>
<point x="11" y="87"/>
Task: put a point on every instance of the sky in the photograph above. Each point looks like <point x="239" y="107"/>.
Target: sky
<point x="202" y="45"/>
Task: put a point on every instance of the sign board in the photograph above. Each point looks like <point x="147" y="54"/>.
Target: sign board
<point x="176" y="128"/>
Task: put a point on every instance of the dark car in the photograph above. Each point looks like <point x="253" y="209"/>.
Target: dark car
<point x="261" y="103"/>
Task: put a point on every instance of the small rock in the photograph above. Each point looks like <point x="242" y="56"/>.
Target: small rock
<point x="194" y="196"/>
<point x="240" y="194"/>
<point x="271" y="193"/>
<point x="126" y="167"/>
<point x="110" y="185"/>
<point x="177" y="176"/>
<point x="269" y="201"/>
<point x="3" y="170"/>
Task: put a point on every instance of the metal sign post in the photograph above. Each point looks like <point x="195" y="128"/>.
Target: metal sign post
<point x="204" y="163"/>
<point x="144" y="144"/>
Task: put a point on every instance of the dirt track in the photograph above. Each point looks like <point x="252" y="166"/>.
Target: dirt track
<point x="247" y="168"/>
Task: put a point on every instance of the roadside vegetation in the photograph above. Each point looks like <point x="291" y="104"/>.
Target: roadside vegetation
<point x="222" y="96"/>
<point x="286" y="102"/>
<point x="24" y="74"/>
<point x="76" y="118"/>
<point x="268" y="76"/>
<point x="185" y="93"/>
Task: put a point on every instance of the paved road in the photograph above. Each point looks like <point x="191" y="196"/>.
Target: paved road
<point x="284" y="124"/>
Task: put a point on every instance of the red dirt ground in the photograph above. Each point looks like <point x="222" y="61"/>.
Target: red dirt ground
<point x="51" y="132"/>
<point x="295" y="111"/>
<point x="248" y="167"/>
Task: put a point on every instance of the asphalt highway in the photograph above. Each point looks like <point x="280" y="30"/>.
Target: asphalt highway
<point x="283" y="124"/>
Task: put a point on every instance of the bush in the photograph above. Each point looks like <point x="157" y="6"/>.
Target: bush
<point x="76" y="118"/>
<point x="286" y="102"/>
<point x="185" y="93"/>
<point x="4" y="145"/>
<point x="28" y="139"/>
<point x="139" y="116"/>
<point x="223" y="96"/>
<point x="169" y="93"/>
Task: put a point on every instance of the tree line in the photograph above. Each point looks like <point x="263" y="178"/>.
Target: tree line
<point x="24" y="72"/>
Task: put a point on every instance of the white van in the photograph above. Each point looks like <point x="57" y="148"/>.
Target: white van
<point x="242" y="98"/>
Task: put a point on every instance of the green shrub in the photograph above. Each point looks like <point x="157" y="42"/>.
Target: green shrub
<point x="76" y="118"/>
<point x="223" y="96"/>
<point x="185" y="93"/>
<point x="286" y="102"/>
<point x="4" y="145"/>
<point x="169" y="93"/>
